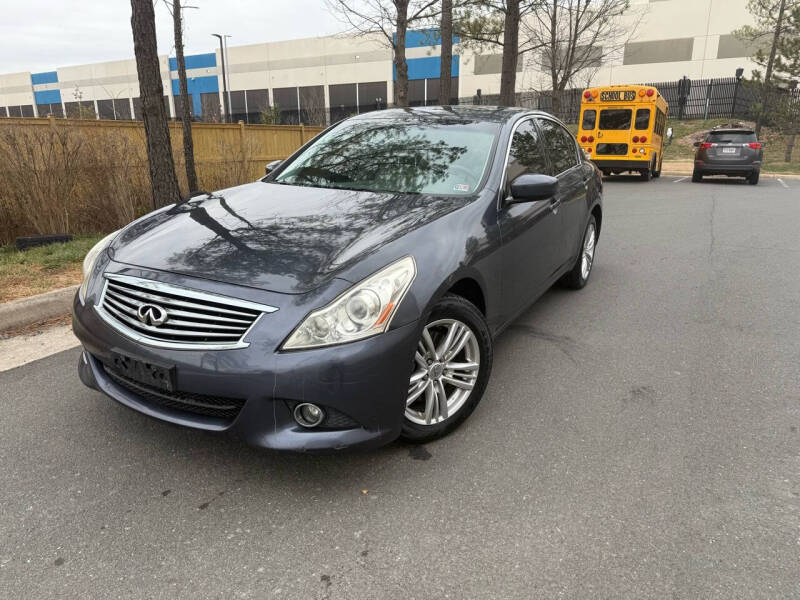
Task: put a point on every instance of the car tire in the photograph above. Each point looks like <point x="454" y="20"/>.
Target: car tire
<point x="697" y="176"/>
<point x="578" y="277"/>
<point x="423" y="420"/>
<point x="753" y="179"/>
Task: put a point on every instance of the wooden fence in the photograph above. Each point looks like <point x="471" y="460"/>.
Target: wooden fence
<point x="84" y="176"/>
<point x="253" y="146"/>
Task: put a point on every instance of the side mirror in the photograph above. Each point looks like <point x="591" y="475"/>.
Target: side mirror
<point x="528" y="188"/>
<point x="272" y="166"/>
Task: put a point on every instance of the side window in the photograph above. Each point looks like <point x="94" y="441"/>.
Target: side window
<point x="526" y="154"/>
<point x="560" y="146"/>
<point x="642" y="118"/>
<point x="589" y="119"/>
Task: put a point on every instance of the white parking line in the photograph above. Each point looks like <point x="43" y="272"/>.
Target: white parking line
<point x="783" y="183"/>
<point x="681" y="179"/>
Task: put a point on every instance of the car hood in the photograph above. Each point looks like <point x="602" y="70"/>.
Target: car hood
<point x="281" y="238"/>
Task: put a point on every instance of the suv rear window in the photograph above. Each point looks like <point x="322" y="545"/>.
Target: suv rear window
<point x="731" y="137"/>
<point x="618" y="118"/>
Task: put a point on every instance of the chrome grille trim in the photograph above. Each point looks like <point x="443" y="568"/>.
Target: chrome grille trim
<point x="197" y="320"/>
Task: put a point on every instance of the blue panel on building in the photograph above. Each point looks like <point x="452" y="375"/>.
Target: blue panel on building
<point x="49" y="77"/>
<point x="425" y="37"/>
<point x="48" y="97"/>
<point x="427" y="67"/>
<point x="196" y="86"/>
<point x="195" y="61"/>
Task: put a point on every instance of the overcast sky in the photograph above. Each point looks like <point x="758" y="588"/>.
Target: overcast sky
<point x="42" y="35"/>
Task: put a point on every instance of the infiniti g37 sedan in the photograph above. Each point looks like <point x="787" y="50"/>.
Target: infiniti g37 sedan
<point x="352" y="295"/>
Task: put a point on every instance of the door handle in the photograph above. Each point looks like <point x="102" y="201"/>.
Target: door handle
<point x="555" y="202"/>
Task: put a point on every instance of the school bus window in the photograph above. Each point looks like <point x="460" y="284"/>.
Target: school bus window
<point x="589" y="118"/>
<point x="615" y="119"/>
<point x="642" y="118"/>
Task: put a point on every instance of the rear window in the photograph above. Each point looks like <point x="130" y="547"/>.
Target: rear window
<point x="731" y="137"/>
<point x="643" y="118"/>
<point x="618" y="118"/>
<point x="589" y="118"/>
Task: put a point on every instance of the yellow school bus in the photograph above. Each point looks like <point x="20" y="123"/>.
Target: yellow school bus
<point x="622" y="129"/>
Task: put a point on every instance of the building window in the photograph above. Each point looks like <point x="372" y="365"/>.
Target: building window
<point x="658" y="51"/>
<point x="287" y="102"/>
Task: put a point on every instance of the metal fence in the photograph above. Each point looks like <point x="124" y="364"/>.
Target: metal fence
<point x="727" y="97"/>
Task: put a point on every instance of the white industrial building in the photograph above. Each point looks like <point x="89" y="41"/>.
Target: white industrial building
<point x="325" y="78"/>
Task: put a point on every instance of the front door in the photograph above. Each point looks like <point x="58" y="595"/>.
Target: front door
<point x="565" y="164"/>
<point x="530" y="231"/>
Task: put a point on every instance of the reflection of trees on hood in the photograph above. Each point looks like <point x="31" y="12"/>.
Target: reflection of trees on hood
<point x="390" y="156"/>
<point x="304" y="247"/>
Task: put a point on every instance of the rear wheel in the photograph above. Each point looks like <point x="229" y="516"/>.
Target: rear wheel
<point x="697" y="176"/>
<point x="579" y="275"/>
<point x="452" y="363"/>
<point x="753" y="179"/>
<point x="659" y="161"/>
<point x="647" y="173"/>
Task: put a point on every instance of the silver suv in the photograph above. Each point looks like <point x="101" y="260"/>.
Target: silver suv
<point x="732" y="151"/>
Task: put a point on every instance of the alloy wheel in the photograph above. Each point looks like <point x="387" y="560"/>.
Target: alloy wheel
<point x="587" y="254"/>
<point x="446" y="365"/>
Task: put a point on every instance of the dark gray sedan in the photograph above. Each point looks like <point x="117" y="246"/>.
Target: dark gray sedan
<point x="731" y="151"/>
<point x="353" y="294"/>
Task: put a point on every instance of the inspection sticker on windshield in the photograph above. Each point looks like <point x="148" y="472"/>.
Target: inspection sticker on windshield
<point x="461" y="187"/>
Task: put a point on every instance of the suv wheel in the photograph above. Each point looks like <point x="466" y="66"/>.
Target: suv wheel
<point x="452" y="363"/>
<point x="753" y="179"/>
<point x="697" y="176"/>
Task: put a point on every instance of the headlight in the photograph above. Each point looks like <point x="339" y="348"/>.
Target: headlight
<point x="365" y="309"/>
<point x="91" y="258"/>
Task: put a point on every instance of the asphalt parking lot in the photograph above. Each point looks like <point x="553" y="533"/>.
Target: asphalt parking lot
<point x="638" y="439"/>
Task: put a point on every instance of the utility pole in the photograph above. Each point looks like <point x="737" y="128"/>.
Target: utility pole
<point x="225" y="96"/>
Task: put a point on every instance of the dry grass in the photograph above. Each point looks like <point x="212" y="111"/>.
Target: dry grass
<point x="42" y="269"/>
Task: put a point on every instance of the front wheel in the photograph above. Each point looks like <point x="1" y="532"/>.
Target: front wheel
<point x="579" y="275"/>
<point x="452" y="363"/>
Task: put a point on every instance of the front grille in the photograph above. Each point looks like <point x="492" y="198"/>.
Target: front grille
<point x="612" y="149"/>
<point x="210" y="406"/>
<point x="193" y="319"/>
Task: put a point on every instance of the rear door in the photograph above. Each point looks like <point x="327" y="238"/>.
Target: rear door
<point x="531" y="231"/>
<point x="614" y="132"/>
<point x="565" y="164"/>
<point x="732" y="148"/>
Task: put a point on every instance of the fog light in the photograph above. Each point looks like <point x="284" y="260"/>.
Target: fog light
<point x="308" y="415"/>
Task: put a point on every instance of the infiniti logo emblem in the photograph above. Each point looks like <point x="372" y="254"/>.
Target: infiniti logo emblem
<point x="152" y="314"/>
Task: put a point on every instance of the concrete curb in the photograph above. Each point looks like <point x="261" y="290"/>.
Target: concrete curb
<point x="22" y="312"/>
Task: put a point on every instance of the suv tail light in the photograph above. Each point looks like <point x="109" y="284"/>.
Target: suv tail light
<point x="755" y="145"/>
<point x="705" y="145"/>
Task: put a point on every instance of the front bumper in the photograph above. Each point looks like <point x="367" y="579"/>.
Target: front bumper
<point x="363" y="384"/>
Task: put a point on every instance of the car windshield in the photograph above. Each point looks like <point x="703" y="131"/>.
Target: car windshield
<point x="396" y="155"/>
<point x="731" y="137"/>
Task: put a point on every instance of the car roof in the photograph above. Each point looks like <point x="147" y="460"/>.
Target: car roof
<point x="465" y="112"/>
